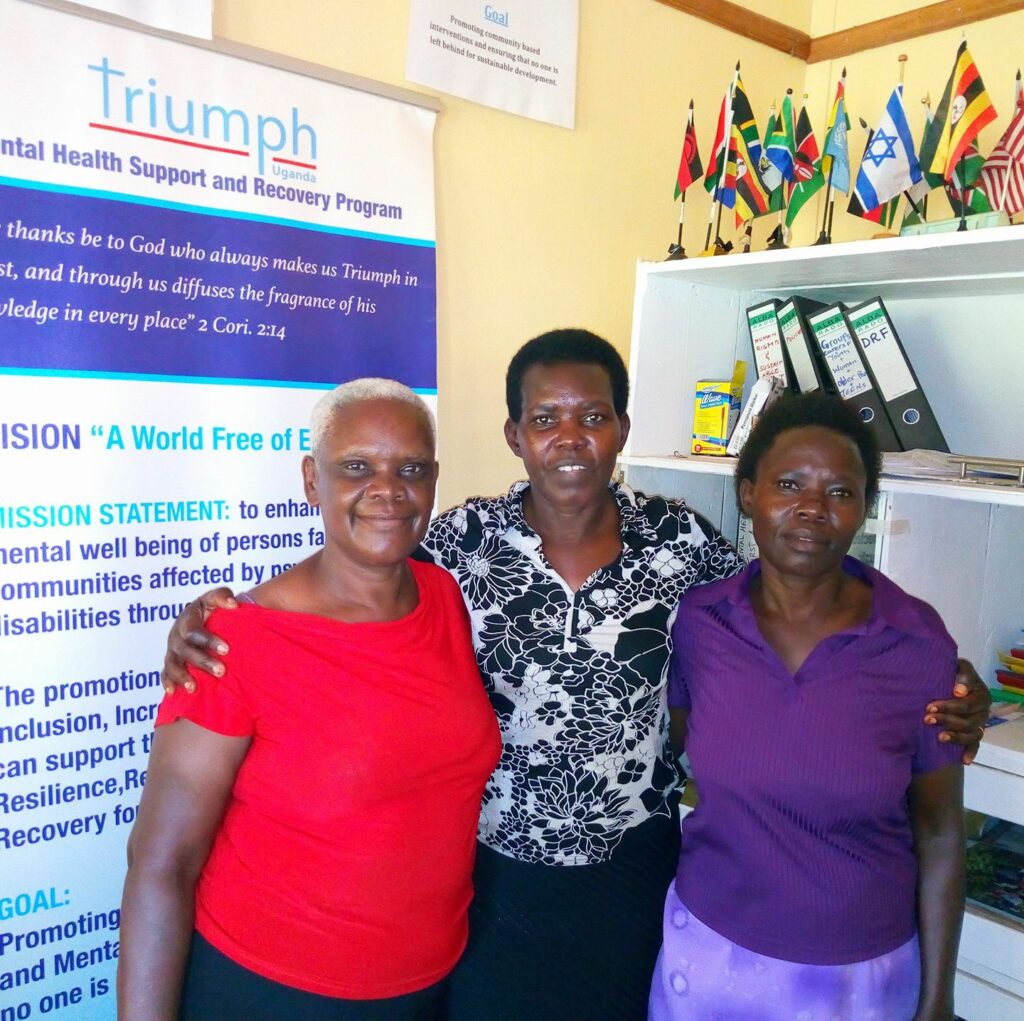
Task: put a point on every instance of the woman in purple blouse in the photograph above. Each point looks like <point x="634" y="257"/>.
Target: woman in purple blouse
<point x="821" y="875"/>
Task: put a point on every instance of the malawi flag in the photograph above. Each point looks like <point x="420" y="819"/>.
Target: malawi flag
<point x="964" y="110"/>
<point x="690" y="167"/>
<point x="743" y="166"/>
<point x="807" y="176"/>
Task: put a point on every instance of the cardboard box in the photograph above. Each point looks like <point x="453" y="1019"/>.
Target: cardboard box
<point x="716" y="408"/>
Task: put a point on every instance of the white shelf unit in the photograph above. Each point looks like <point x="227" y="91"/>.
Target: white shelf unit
<point x="957" y="301"/>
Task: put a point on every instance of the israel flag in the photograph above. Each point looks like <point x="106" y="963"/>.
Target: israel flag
<point x="890" y="163"/>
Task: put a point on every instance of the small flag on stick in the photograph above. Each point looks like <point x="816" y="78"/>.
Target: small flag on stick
<point x="807" y="176"/>
<point x="965" y="108"/>
<point x="1002" y="175"/>
<point x="749" y="194"/>
<point x="889" y="165"/>
<point x="690" y="167"/>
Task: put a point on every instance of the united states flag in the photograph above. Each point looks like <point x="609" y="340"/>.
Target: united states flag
<point x="1002" y="176"/>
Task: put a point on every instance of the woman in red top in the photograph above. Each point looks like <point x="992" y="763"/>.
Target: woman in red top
<point x="306" y="836"/>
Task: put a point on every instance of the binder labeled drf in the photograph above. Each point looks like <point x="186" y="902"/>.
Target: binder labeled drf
<point x="845" y="365"/>
<point x="908" y="408"/>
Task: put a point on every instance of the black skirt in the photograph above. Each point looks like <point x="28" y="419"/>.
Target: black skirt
<point x="219" y="989"/>
<point x="566" y="943"/>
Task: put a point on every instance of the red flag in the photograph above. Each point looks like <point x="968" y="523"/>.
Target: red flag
<point x="690" y="167"/>
<point x="717" y="161"/>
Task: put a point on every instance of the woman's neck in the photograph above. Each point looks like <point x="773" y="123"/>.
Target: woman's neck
<point x="796" y="598"/>
<point x="331" y="586"/>
<point x="572" y="524"/>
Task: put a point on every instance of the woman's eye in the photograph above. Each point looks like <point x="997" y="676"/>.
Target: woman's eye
<point x="786" y="484"/>
<point x="594" y="418"/>
<point x="414" y="469"/>
<point x="542" y="419"/>
<point x="841" y="492"/>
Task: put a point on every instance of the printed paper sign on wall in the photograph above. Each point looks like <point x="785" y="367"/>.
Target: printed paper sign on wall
<point x="518" y="56"/>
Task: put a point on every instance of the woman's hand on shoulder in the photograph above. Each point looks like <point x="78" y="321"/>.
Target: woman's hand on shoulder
<point x="962" y="718"/>
<point x="190" y="643"/>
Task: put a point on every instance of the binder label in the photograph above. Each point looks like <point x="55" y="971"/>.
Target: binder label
<point x="764" y="334"/>
<point x="796" y="344"/>
<point x="882" y="351"/>
<point x="840" y="351"/>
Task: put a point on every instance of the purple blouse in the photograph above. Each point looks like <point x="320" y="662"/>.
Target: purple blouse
<point x="801" y="846"/>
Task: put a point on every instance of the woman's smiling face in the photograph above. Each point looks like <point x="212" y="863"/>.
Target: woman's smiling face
<point x="569" y="434"/>
<point x="373" y="477"/>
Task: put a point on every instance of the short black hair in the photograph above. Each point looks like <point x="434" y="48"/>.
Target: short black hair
<point x="560" y="347"/>
<point x="811" y="409"/>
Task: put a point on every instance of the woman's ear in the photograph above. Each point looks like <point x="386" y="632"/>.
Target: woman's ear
<point x="309" y="481"/>
<point x="746" y="492"/>
<point x="512" y="437"/>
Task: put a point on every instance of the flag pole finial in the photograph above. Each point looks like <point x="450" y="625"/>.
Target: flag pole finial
<point x="902" y="58"/>
<point x="789" y="92"/>
<point x="863" y="123"/>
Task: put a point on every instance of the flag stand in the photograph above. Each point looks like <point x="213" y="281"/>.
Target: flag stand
<point x="777" y="238"/>
<point x="824" y="238"/>
<point x="963" y="194"/>
<point x="748" y="234"/>
<point x="719" y="247"/>
<point x="676" y="251"/>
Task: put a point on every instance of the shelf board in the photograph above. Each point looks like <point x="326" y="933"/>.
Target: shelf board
<point x="1003" y="748"/>
<point x="975" y="492"/>
<point x="974" y="262"/>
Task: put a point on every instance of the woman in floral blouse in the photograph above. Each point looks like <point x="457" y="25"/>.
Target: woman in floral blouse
<point x="571" y="581"/>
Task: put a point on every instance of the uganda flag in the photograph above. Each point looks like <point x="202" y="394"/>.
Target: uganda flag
<point x="690" y="167"/>
<point x="743" y="169"/>
<point x="963" y="111"/>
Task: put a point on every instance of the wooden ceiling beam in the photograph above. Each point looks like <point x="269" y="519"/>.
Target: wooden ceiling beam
<point x="934" y="17"/>
<point x="923" y="21"/>
<point x="747" y="23"/>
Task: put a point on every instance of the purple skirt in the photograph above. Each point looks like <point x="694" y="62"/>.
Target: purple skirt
<point x="702" y="976"/>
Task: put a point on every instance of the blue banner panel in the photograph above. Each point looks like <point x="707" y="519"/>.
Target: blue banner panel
<point x="106" y="285"/>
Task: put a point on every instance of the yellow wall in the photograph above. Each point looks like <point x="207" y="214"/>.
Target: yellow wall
<point x="537" y="226"/>
<point x="995" y="44"/>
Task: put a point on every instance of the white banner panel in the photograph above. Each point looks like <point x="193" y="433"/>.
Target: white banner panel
<point x="192" y="247"/>
<point x="187" y="17"/>
<point x="518" y="56"/>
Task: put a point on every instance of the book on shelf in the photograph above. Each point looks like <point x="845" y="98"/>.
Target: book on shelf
<point x="808" y="369"/>
<point x="849" y="373"/>
<point x="908" y="408"/>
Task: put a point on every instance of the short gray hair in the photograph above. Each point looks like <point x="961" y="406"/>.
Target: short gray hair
<point x="367" y="389"/>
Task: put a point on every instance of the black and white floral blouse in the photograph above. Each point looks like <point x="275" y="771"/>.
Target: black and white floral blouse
<point x="577" y="679"/>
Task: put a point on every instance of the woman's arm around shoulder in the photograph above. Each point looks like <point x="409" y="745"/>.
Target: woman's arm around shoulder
<point x="190" y="776"/>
